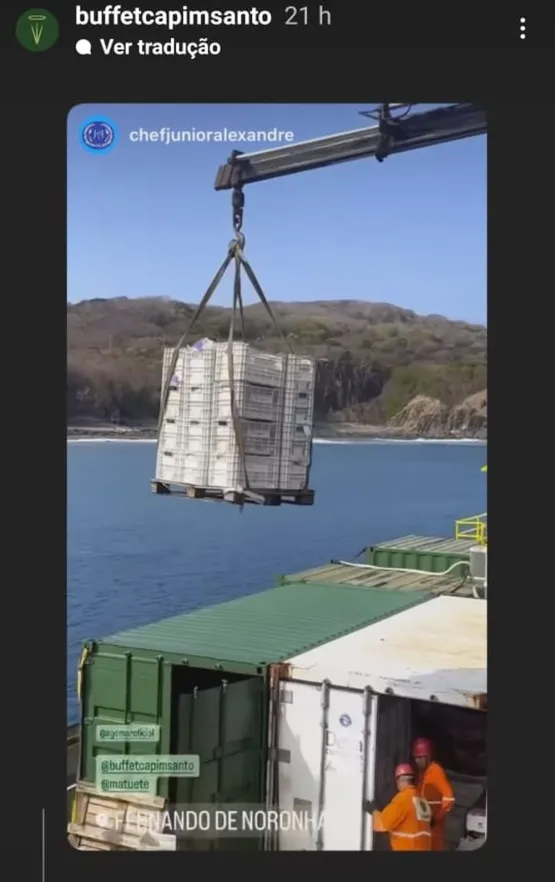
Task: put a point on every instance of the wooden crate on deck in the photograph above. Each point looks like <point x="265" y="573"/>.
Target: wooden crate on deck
<point x="101" y="822"/>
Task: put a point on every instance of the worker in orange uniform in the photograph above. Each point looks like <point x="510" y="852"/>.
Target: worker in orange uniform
<point x="433" y="784"/>
<point x="407" y="817"/>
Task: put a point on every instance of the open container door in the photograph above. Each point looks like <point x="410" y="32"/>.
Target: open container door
<point x="326" y="768"/>
<point x="221" y="718"/>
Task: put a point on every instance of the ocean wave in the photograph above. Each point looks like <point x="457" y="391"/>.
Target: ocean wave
<point x="335" y="441"/>
<point x="111" y="440"/>
<point x="360" y="440"/>
<point x="438" y="441"/>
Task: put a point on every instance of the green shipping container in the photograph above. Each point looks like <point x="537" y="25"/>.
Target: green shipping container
<point x="203" y="678"/>
<point x="426" y="553"/>
<point x="364" y="576"/>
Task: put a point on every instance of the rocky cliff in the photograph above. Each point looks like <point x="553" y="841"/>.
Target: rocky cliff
<point x="428" y="417"/>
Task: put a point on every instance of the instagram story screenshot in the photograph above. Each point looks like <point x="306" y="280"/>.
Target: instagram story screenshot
<point x="261" y="254"/>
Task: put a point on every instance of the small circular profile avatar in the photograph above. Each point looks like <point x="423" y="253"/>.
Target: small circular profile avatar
<point x="37" y="30"/>
<point x="98" y="135"/>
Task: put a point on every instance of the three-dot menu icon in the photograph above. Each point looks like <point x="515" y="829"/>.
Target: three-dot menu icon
<point x="522" y="28"/>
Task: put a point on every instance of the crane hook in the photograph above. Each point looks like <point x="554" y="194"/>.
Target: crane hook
<point x="237" y="207"/>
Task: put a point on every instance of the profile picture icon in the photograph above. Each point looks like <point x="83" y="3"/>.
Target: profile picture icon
<point x="98" y="135"/>
<point x="37" y="30"/>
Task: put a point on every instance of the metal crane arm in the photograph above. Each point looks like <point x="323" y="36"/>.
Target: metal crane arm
<point x="391" y="136"/>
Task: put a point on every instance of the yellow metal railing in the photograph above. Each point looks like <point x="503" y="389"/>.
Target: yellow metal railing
<point x="475" y="528"/>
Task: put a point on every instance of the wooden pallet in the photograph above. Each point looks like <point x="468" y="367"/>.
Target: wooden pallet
<point x="236" y="497"/>
<point x="105" y="823"/>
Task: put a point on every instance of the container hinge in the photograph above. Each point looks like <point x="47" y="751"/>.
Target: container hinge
<point x="286" y="696"/>
<point x="280" y="755"/>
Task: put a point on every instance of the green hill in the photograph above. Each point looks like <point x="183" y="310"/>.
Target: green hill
<point x="374" y="358"/>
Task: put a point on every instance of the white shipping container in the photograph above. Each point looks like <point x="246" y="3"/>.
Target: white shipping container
<point x="345" y="714"/>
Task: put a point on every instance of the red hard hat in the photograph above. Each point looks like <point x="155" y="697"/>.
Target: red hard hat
<point x="422" y="747"/>
<point x="404" y="769"/>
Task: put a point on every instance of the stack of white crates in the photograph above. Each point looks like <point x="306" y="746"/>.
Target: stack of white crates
<point x="274" y="399"/>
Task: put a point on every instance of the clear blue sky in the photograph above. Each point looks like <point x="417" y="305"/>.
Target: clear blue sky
<point x="144" y="219"/>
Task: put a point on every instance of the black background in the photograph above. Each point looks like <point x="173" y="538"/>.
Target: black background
<point x="429" y="63"/>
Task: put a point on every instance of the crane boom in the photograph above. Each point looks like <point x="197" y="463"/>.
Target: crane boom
<point x="390" y="136"/>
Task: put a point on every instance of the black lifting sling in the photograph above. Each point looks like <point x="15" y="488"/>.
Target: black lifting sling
<point x="235" y="254"/>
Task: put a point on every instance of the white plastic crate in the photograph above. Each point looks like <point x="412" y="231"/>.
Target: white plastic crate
<point x="187" y="469"/>
<point x="194" y="469"/>
<point x="188" y="436"/>
<point x="259" y="439"/>
<point x="172" y="413"/>
<point x="296" y="445"/>
<point x="194" y="404"/>
<point x="168" y="467"/>
<point x="301" y="374"/>
<point x="191" y="386"/>
<point x="227" y="472"/>
<point x="195" y="365"/>
<point x="199" y="403"/>
<point x="208" y="361"/>
<point x="170" y="435"/>
<point x="264" y="473"/>
<point x="298" y="409"/>
<point x="177" y="467"/>
<point x="166" y="473"/>
<point x="179" y="414"/>
<point x="176" y="397"/>
<point x="166" y="456"/>
<point x="168" y="459"/>
<point x="249" y="366"/>
<point x="253" y="402"/>
<point x="274" y="396"/>
<point x="293" y="477"/>
<point x="176" y="444"/>
<point x="195" y="436"/>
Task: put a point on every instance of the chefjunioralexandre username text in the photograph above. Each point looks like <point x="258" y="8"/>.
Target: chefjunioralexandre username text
<point x="166" y="135"/>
